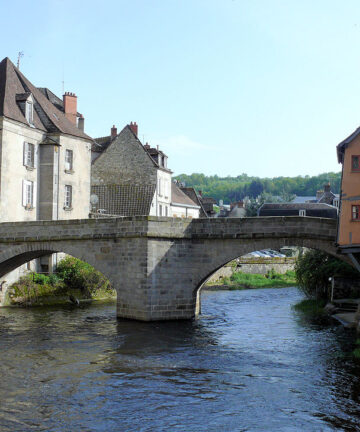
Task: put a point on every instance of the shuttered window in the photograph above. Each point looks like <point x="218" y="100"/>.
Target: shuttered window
<point x="68" y="160"/>
<point x="68" y="197"/>
<point x="28" y="194"/>
<point x="29" y="155"/>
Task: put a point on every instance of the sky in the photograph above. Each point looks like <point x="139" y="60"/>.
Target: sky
<point x="263" y="87"/>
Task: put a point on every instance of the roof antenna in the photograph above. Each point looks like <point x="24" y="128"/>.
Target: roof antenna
<point x="20" y="54"/>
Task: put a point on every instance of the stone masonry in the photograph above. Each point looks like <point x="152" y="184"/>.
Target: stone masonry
<point x="158" y="265"/>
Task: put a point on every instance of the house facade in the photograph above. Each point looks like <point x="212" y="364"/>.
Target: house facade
<point x="45" y="155"/>
<point x="348" y="235"/>
<point x="129" y="178"/>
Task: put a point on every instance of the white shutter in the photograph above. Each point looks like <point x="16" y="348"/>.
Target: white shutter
<point x="25" y="150"/>
<point x="24" y="193"/>
<point x="34" y="194"/>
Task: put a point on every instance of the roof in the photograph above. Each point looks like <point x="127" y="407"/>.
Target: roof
<point x="303" y="199"/>
<point x="179" y="197"/>
<point x="59" y="104"/>
<point x="296" y="206"/>
<point x="191" y="193"/>
<point x="124" y="199"/>
<point x="47" y="117"/>
<point x="340" y="148"/>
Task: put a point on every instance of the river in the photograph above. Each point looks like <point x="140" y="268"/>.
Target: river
<point x="249" y="363"/>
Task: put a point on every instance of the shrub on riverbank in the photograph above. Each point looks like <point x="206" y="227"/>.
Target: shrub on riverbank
<point x="73" y="278"/>
<point x="239" y="280"/>
<point x="313" y="270"/>
<point x="310" y="306"/>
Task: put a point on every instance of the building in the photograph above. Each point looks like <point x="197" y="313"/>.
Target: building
<point x="181" y="205"/>
<point x="298" y="209"/>
<point x="206" y="204"/>
<point x="44" y="153"/>
<point x="129" y="178"/>
<point x="348" y="235"/>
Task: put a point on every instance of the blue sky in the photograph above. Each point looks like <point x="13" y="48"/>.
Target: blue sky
<point x="265" y="87"/>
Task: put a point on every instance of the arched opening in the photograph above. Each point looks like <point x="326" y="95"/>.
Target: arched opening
<point x="229" y="254"/>
<point x="71" y="280"/>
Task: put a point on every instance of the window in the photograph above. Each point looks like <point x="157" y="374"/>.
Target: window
<point x="166" y="188"/>
<point x="29" y="155"/>
<point x="355" y="163"/>
<point x="355" y="212"/>
<point x="302" y="212"/>
<point x="68" y="197"/>
<point x="68" y="160"/>
<point x="28" y="198"/>
<point x="29" y="112"/>
<point x="160" y="188"/>
<point x="160" y="210"/>
<point x="166" y="211"/>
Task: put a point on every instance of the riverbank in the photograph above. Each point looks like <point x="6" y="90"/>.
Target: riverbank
<point x="242" y="281"/>
<point x="74" y="282"/>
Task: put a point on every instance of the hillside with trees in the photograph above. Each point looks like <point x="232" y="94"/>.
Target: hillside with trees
<point x="230" y="189"/>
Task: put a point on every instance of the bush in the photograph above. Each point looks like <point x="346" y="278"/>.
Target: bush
<point x="313" y="270"/>
<point x="79" y="275"/>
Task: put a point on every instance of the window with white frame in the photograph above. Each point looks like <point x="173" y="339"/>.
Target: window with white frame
<point x="302" y="212"/>
<point x="29" y="111"/>
<point x="28" y="194"/>
<point x="68" y="160"/>
<point x="68" y="197"/>
<point x="29" y="155"/>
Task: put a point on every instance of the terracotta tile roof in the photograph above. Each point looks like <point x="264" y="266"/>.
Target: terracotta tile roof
<point x="179" y="197"/>
<point x="47" y="116"/>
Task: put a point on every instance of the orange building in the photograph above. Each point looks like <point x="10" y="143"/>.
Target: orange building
<point x="348" y="236"/>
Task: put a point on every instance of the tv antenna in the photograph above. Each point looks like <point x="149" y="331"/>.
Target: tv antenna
<point x="20" y="54"/>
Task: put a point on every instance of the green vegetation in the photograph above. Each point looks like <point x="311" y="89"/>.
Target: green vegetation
<point x="73" y="278"/>
<point x="356" y="351"/>
<point x="313" y="270"/>
<point x="312" y="307"/>
<point x="231" y="189"/>
<point x="239" y="280"/>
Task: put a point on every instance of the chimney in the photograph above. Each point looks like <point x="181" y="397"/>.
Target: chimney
<point x="327" y="188"/>
<point x="81" y="123"/>
<point x="70" y="106"/>
<point x="147" y="146"/>
<point x="113" y="132"/>
<point x="134" y="128"/>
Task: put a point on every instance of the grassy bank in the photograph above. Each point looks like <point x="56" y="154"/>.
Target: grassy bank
<point x="74" y="281"/>
<point x="239" y="280"/>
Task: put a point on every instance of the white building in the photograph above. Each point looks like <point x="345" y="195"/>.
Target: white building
<point x="45" y="155"/>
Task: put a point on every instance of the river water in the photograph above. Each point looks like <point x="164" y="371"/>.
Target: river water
<point x="249" y="363"/>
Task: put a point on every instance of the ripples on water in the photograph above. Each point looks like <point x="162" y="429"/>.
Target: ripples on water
<point x="250" y="363"/>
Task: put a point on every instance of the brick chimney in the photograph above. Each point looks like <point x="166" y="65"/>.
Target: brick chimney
<point x="327" y="188"/>
<point x="134" y="128"/>
<point x="70" y="106"/>
<point x="113" y="131"/>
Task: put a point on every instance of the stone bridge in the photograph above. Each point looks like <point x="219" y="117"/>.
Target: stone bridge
<point x="159" y="264"/>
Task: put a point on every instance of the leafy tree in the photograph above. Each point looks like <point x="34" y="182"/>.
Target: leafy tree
<point x="313" y="270"/>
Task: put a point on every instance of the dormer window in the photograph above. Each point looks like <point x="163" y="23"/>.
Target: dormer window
<point x="29" y="111"/>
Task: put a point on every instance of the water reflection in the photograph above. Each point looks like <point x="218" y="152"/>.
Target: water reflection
<point x="249" y="363"/>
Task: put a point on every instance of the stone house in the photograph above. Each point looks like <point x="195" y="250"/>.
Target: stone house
<point x="45" y="155"/>
<point x="298" y="209"/>
<point x="129" y="178"/>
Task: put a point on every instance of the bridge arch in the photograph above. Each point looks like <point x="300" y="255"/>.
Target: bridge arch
<point x="230" y="251"/>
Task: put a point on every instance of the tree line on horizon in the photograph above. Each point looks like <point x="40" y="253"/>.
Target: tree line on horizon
<point x="230" y="189"/>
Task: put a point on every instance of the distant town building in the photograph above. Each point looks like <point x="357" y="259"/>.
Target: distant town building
<point x="298" y="209"/>
<point x="181" y="204"/>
